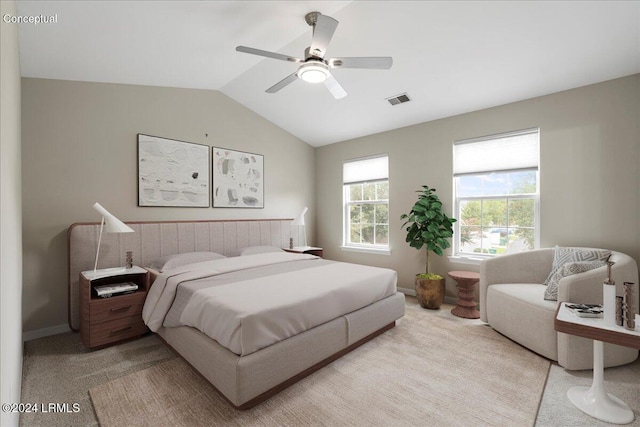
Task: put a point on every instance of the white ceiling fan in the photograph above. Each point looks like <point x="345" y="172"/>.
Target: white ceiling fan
<point x="314" y="68"/>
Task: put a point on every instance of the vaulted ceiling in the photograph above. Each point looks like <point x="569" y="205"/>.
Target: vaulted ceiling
<point x="449" y="57"/>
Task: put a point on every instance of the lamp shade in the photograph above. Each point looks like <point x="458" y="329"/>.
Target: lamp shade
<point x="300" y="218"/>
<point x="112" y="224"/>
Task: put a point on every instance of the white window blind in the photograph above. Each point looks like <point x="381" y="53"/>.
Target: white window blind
<point x="497" y="153"/>
<point x="366" y="170"/>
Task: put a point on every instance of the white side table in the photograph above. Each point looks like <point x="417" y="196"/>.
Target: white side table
<point x="594" y="400"/>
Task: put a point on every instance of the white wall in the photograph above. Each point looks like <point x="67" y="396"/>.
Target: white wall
<point x="10" y="218"/>
<point x="79" y="146"/>
<point x="590" y="170"/>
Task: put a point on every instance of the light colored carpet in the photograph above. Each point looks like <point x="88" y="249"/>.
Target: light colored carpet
<point x="58" y="369"/>
<point x="556" y="410"/>
<point x="432" y="369"/>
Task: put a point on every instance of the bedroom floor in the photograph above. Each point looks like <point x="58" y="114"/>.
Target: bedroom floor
<point x="58" y="369"/>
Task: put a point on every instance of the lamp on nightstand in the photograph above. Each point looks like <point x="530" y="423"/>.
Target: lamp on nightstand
<point x="299" y="221"/>
<point x="113" y="225"/>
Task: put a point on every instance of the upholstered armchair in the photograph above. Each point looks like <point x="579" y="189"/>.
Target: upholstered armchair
<point x="512" y="302"/>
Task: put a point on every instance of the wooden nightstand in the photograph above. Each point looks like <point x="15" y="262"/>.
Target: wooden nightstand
<point x="106" y="321"/>
<point x="305" y="250"/>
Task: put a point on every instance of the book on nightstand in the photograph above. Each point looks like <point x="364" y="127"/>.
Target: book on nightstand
<point x="105" y="291"/>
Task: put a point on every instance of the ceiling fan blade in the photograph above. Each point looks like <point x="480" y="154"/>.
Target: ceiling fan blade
<point x="323" y="31"/>
<point x="282" y="83"/>
<point x="334" y="87"/>
<point x="268" y="54"/>
<point x="372" y="62"/>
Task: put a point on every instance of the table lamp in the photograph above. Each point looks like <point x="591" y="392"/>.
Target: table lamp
<point x="299" y="221"/>
<point x="113" y="225"/>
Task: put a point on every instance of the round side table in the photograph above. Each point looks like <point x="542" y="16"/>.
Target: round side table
<point x="466" y="306"/>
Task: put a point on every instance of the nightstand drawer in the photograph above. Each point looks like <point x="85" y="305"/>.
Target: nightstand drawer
<point x="106" y="309"/>
<point x="116" y="330"/>
<point x="106" y="321"/>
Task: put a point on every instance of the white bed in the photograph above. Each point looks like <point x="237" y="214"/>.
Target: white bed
<point x="284" y="315"/>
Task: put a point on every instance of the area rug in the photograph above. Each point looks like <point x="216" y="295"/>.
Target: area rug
<point x="432" y="369"/>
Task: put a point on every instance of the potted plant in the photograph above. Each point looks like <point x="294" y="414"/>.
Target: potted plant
<point x="428" y="226"/>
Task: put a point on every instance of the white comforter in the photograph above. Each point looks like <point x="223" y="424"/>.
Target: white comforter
<point x="248" y="315"/>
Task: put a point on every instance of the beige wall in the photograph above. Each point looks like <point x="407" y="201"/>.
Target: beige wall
<point x="589" y="165"/>
<point x="79" y="146"/>
<point x="10" y="217"/>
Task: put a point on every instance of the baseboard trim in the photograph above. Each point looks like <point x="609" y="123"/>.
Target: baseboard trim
<point x="450" y="300"/>
<point x="407" y="291"/>
<point x="45" y="332"/>
<point x="412" y="292"/>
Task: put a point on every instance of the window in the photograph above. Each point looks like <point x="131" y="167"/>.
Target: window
<point x="366" y="203"/>
<point x="496" y="184"/>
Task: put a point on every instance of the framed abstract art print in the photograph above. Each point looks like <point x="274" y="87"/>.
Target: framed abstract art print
<point x="172" y="173"/>
<point x="238" y="179"/>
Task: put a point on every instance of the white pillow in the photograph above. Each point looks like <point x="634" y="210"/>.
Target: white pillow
<point x="259" y="250"/>
<point x="569" y="269"/>
<point x="178" y="260"/>
<point x="566" y="255"/>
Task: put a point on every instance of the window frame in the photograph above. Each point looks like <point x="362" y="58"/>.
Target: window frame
<point x="476" y="258"/>
<point x="347" y="217"/>
<point x="346" y="210"/>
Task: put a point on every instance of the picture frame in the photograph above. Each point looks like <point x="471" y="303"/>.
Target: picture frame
<point x="238" y="179"/>
<point x="173" y="173"/>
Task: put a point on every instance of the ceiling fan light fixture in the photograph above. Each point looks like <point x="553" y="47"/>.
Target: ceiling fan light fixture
<point x="314" y="68"/>
<point x="313" y="72"/>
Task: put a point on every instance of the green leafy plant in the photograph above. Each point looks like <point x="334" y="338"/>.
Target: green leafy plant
<point x="428" y="226"/>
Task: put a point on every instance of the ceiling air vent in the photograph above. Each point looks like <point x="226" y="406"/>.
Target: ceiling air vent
<point x="399" y="99"/>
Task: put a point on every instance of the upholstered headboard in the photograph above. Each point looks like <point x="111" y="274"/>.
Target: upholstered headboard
<point x="153" y="240"/>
